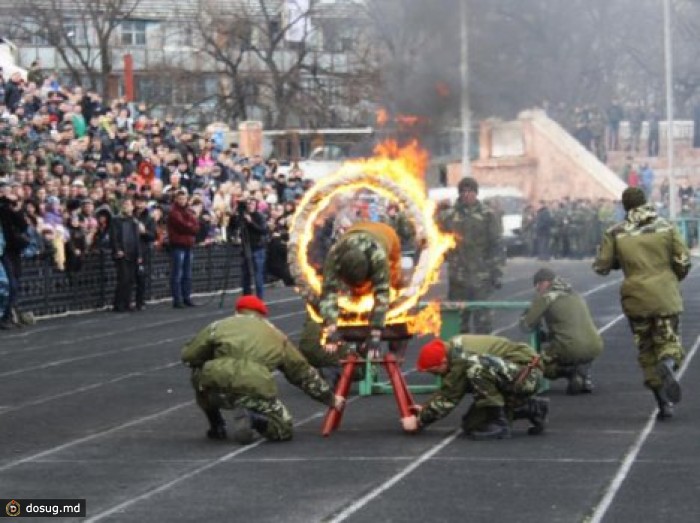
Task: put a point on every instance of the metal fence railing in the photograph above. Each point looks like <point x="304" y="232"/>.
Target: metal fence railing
<point x="45" y="290"/>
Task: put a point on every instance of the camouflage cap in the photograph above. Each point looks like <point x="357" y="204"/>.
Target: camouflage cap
<point x="353" y="266"/>
<point x="468" y="184"/>
<point x="633" y="197"/>
<point x="543" y="274"/>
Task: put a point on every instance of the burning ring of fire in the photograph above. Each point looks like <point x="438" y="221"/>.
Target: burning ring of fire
<point x="397" y="175"/>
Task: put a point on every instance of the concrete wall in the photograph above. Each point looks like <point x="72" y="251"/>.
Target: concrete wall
<point x="551" y="163"/>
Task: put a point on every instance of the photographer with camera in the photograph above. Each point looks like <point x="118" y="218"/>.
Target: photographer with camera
<point x="252" y="227"/>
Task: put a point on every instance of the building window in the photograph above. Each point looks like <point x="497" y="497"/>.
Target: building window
<point x="133" y="32"/>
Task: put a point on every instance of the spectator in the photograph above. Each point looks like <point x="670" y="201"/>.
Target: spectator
<point x="126" y="251"/>
<point x="183" y="225"/>
<point x="253" y="232"/>
<point x="147" y="236"/>
<point x="14" y="228"/>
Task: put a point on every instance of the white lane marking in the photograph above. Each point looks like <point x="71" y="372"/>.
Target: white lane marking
<point x="187" y="475"/>
<point x="31" y="331"/>
<point x="587" y="293"/>
<point x="631" y="456"/>
<point x="78" y="441"/>
<point x="63" y="361"/>
<point x="91" y="386"/>
<point x="610" y="324"/>
<point x="364" y="500"/>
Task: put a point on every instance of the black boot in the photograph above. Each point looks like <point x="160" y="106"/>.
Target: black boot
<point x="587" y="383"/>
<point x="575" y="381"/>
<point x="217" y="425"/>
<point x="242" y="428"/>
<point x="671" y="389"/>
<point x="496" y="427"/>
<point x="665" y="406"/>
<point x="536" y="410"/>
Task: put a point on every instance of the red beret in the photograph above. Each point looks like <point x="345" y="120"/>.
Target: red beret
<point x="251" y="303"/>
<point x="431" y="355"/>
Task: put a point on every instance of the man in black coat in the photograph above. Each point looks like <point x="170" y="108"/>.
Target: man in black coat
<point x="147" y="235"/>
<point x="126" y="251"/>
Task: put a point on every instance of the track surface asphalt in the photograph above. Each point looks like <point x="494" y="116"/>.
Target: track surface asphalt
<point x="97" y="406"/>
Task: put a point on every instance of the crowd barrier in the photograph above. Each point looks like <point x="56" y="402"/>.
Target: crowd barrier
<point x="44" y="290"/>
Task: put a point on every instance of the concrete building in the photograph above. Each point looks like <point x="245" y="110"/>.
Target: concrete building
<point x="198" y="55"/>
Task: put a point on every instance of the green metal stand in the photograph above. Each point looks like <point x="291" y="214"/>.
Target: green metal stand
<point x="450" y="314"/>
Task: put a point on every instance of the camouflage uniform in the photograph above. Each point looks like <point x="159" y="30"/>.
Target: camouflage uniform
<point x="404" y="229"/>
<point x="475" y="263"/>
<point x="232" y="362"/>
<point x="487" y="367"/>
<point x="382" y="248"/>
<point x="654" y="259"/>
<point x="572" y="336"/>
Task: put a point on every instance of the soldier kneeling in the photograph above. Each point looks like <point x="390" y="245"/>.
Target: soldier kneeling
<point x="502" y="375"/>
<point x="232" y="361"/>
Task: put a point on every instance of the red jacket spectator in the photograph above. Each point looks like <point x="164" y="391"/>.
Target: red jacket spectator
<point x="182" y="223"/>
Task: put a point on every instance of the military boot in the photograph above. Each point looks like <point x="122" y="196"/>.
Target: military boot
<point x="586" y="382"/>
<point x="536" y="410"/>
<point x="575" y="381"/>
<point x="665" y="406"/>
<point x="217" y="425"/>
<point x="242" y="427"/>
<point x="670" y="389"/>
<point x="496" y="426"/>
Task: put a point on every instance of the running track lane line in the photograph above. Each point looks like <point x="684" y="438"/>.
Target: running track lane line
<point x="614" y="487"/>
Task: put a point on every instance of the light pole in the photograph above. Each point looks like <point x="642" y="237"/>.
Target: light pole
<point x="668" y="62"/>
<point x="464" y="81"/>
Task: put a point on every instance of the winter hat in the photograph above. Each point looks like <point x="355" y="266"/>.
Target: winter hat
<point x="633" y="197"/>
<point x="431" y="355"/>
<point x="251" y="303"/>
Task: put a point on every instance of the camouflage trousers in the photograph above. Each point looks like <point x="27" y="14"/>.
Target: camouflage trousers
<point x="279" y="420"/>
<point x="483" y="319"/>
<point x="558" y="364"/>
<point x="494" y="383"/>
<point x="656" y="338"/>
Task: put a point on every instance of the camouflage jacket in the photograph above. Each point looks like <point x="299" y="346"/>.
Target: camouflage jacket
<point x="568" y="321"/>
<point x="653" y="258"/>
<point x="478" y="256"/>
<point x="237" y="355"/>
<point x="383" y="249"/>
<point x="464" y="352"/>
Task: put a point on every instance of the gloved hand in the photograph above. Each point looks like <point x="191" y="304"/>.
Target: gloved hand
<point x="332" y="339"/>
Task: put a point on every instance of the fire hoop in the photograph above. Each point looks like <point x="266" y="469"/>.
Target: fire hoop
<point x="395" y="179"/>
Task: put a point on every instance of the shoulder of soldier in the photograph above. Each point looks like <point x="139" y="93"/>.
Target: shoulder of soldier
<point x="618" y="228"/>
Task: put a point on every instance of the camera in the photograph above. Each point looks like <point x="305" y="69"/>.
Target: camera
<point x="242" y="207"/>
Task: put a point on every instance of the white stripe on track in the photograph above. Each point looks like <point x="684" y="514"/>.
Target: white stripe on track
<point x="367" y="498"/>
<point x="614" y="487"/>
<point x="78" y="441"/>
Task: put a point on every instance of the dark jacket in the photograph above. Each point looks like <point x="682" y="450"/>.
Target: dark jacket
<point x="182" y="226"/>
<point x="146" y="238"/>
<point x="124" y="235"/>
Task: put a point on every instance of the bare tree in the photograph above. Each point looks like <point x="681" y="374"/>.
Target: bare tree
<point x="81" y="31"/>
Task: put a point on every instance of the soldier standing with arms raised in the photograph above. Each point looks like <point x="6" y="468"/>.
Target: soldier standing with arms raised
<point x="654" y="259"/>
<point x="475" y="263"/>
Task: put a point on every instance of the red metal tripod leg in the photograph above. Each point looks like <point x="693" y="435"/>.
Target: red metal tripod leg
<point x="404" y="401"/>
<point x="333" y="416"/>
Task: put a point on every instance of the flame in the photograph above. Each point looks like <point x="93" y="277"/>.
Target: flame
<point x="382" y="116"/>
<point x="393" y="167"/>
<point x="427" y="321"/>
